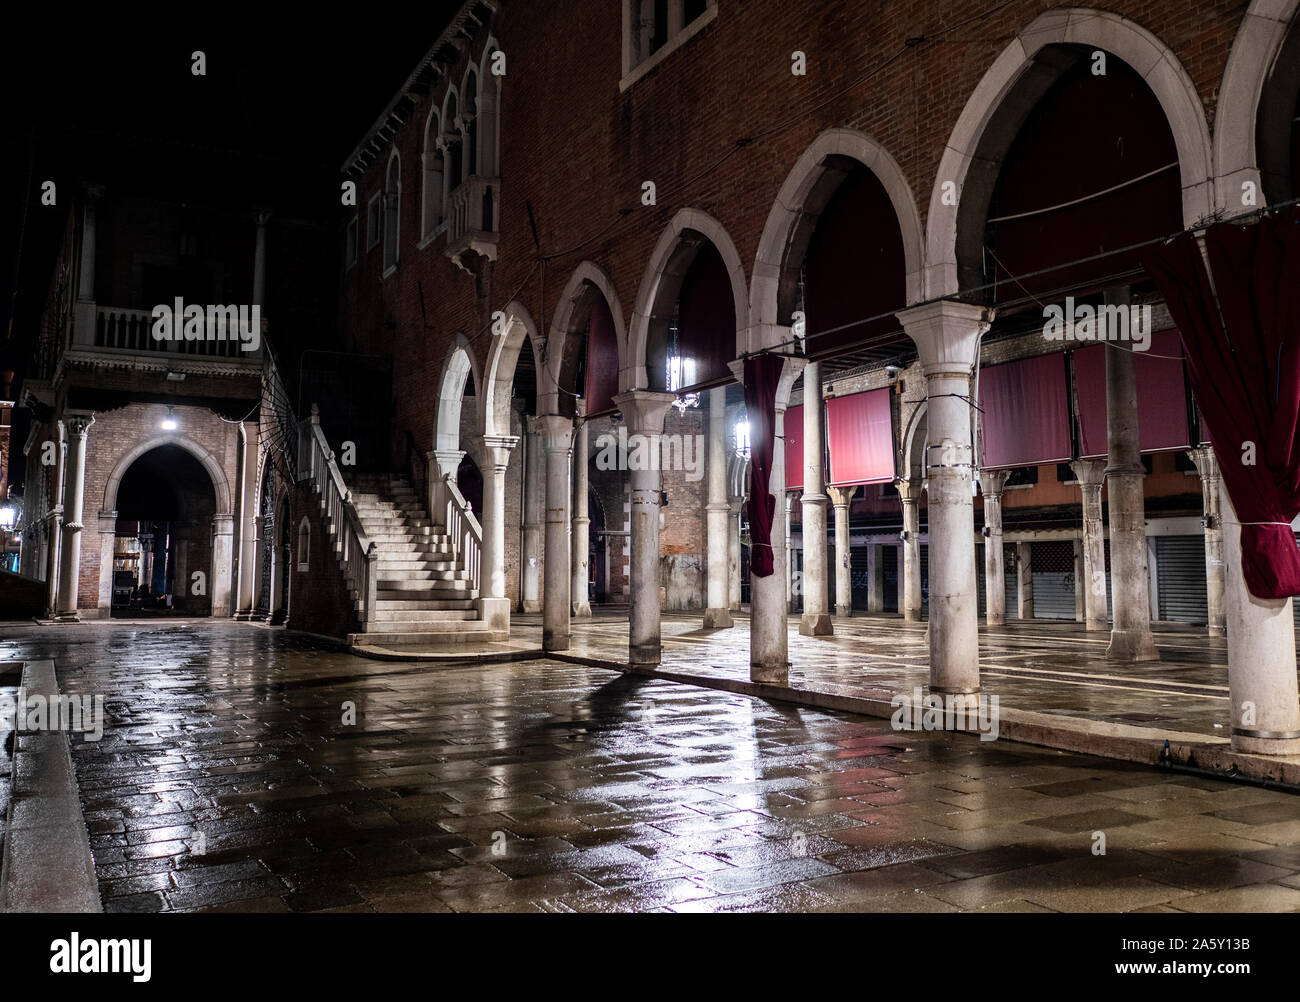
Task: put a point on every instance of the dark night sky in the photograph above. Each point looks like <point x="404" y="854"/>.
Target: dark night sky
<point x="285" y="99"/>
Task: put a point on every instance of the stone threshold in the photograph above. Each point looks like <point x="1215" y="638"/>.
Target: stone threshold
<point x="47" y="863"/>
<point x="1164" y="749"/>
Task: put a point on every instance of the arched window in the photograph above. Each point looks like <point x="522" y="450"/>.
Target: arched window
<point x="469" y="122"/>
<point x="431" y="188"/>
<point x="489" y="115"/>
<point x="392" y="210"/>
<point x="452" y="165"/>
<point x="304" y="545"/>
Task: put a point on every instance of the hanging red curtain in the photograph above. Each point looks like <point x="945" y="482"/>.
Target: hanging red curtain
<point x="762" y="374"/>
<point x="1241" y="332"/>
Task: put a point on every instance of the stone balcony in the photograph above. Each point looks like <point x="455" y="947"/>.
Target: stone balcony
<point x="473" y="210"/>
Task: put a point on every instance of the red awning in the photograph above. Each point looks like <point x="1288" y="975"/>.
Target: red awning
<point x="1161" y="396"/>
<point x="861" y="433"/>
<point x="602" y="359"/>
<point x="794" y="448"/>
<point x="1026" y="417"/>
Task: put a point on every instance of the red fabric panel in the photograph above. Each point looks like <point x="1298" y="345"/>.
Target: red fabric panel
<point x="794" y="448"/>
<point x="1162" y="396"/>
<point x="706" y="315"/>
<point x="762" y="374"/>
<point x="602" y="359"/>
<point x="1243" y="356"/>
<point x="861" y="432"/>
<point x="1026" y="417"/>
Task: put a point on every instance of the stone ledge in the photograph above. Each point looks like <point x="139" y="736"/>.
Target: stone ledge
<point x="47" y="865"/>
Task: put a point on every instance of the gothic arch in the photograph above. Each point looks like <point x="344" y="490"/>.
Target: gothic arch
<point x="220" y="486"/>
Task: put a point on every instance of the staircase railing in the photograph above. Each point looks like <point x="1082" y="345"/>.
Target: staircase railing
<point x="357" y="553"/>
<point x="464" y="531"/>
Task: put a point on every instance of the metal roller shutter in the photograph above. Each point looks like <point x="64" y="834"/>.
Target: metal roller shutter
<point x="1180" y="576"/>
<point x="925" y="579"/>
<point x="1053" y="566"/>
<point x="889" y="571"/>
<point x="979" y="582"/>
<point x="1009" y="580"/>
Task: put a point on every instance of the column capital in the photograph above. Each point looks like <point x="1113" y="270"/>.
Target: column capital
<point x="493" y="450"/>
<point x="1207" y="464"/>
<point x="909" y="489"/>
<point x="261" y="216"/>
<point x="993" y="482"/>
<point x="644" y="410"/>
<point x="78" y="422"/>
<point x="947" y="334"/>
<point x="841" y="496"/>
<point x="448" y="460"/>
<point x="556" y="431"/>
<point x="1089" y="472"/>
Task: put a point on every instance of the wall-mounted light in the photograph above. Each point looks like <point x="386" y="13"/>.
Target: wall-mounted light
<point x="169" y="423"/>
<point x="8" y="516"/>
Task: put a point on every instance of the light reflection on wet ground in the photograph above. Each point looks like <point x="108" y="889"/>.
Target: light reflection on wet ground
<point x="228" y="778"/>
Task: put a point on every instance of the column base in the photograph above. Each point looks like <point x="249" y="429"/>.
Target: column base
<point x="1096" y="627"/>
<point x="912" y="615"/>
<point x="244" y="615"/>
<point x="644" y="654"/>
<point x="1252" y="743"/>
<point x="995" y="620"/>
<point x="816" y="625"/>
<point x="554" y="641"/>
<point x="495" y="612"/>
<point x="718" y="619"/>
<point x="529" y="605"/>
<point x="1217" y="631"/>
<point x="843" y="613"/>
<point x="770" y="675"/>
<point x="580" y="610"/>
<point x="67" y="617"/>
<point x="1132" y="645"/>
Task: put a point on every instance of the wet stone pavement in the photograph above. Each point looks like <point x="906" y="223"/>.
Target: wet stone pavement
<point x="229" y="777"/>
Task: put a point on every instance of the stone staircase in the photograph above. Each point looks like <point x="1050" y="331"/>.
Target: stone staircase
<point x="425" y="595"/>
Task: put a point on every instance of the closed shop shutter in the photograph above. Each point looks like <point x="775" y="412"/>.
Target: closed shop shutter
<point x="1053" y="565"/>
<point x="979" y="582"/>
<point x="889" y="569"/>
<point x="925" y="579"/>
<point x="1009" y="579"/>
<point x="1180" y="577"/>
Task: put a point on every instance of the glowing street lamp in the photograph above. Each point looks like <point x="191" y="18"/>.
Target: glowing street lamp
<point x="169" y="423"/>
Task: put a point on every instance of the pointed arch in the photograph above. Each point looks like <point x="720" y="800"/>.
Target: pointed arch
<point x="585" y="287"/>
<point x="499" y="372"/>
<point x="457" y="367"/>
<point x="661" y="282"/>
<point x="220" y="485"/>
<point x="1024" y="65"/>
<point x="802" y="196"/>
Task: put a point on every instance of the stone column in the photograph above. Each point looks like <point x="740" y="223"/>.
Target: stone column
<point x="790" y="604"/>
<point x="1262" y="687"/>
<point x="840" y="498"/>
<point x="1025" y="580"/>
<point x="947" y="336"/>
<point x="1130" y="636"/>
<point x="530" y="557"/>
<point x="223" y="541"/>
<point x="443" y="466"/>
<point x="909" y="491"/>
<point x="579" y="589"/>
<point x="644" y="411"/>
<point x="875" y="578"/>
<point x="247" y="560"/>
<point x="733" y="562"/>
<point x="769" y="597"/>
<point x="1079" y="579"/>
<point x="1215" y="581"/>
<point x="492" y="456"/>
<point x="992" y="484"/>
<point x="816" y="619"/>
<point x="717" y="615"/>
<point x="83" y="329"/>
<point x="146" y="560"/>
<point x="556" y="434"/>
<point x="1091" y="474"/>
<point x="107" y="546"/>
<point x="76" y="424"/>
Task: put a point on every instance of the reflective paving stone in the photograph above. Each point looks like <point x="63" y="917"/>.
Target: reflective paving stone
<point x="245" y="770"/>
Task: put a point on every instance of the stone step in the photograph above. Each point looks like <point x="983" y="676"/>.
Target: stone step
<point x="423" y="603"/>
<point x="476" y="632"/>
<point x="389" y="561"/>
<point x="401" y="619"/>
<point x="404" y="584"/>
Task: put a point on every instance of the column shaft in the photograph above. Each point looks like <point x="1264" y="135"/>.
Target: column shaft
<point x="556" y="439"/>
<point x="77" y="424"/>
<point x="995" y="583"/>
<point x="816" y="619"/>
<point x="1091" y="475"/>
<point x="1025" y="580"/>
<point x="717" y="615"/>
<point x="910" y="601"/>
<point x="840" y="498"/>
<point x="530" y="559"/>
<point x="579" y="589"/>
